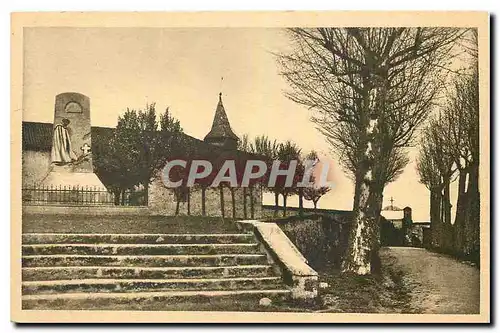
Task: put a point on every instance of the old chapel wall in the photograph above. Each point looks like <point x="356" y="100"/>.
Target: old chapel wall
<point x="35" y="166"/>
<point x="162" y="201"/>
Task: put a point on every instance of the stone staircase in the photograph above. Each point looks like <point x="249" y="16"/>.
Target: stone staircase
<point x="146" y="271"/>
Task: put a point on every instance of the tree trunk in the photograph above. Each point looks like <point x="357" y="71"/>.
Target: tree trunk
<point x="315" y="202"/>
<point x="221" y="191"/>
<point x="252" y="211"/>
<point x="233" y="202"/>
<point x="276" y="203"/>
<point x="359" y="254"/>
<point x="146" y="193"/>
<point x="473" y="213"/>
<point x="301" y="202"/>
<point x="177" y="204"/>
<point x="377" y="195"/>
<point x="203" y="192"/>
<point x="123" y="197"/>
<point x="245" y="213"/>
<point x="284" y="205"/>
<point x="189" y="201"/>
<point x="116" y="194"/>
<point x="357" y="188"/>
<point x="447" y="230"/>
<point x="436" y="223"/>
<point x="458" y="227"/>
<point x="362" y="246"/>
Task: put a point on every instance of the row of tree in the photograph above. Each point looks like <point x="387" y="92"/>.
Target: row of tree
<point x="371" y="89"/>
<point x="270" y="151"/>
<point x="449" y="149"/>
<point x="217" y="158"/>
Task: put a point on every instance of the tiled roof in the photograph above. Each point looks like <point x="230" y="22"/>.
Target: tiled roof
<point x="38" y="136"/>
<point x="393" y="208"/>
<point x="392" y="214"/>
<point x="220" y="127"/>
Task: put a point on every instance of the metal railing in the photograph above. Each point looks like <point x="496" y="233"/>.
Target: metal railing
<point x="81" y="195"/>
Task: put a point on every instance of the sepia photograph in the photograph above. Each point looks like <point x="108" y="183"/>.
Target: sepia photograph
<point x="246" y="167"/>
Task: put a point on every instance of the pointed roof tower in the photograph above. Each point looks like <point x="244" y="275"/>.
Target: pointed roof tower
<point x="221" y="133"/>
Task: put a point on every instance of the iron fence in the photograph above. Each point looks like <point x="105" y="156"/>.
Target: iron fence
<point x="81" y="195"/>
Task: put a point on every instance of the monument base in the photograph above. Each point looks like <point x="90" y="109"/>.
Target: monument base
<point x="71" y="179"/>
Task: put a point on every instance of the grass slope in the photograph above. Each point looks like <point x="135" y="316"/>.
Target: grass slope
<point x="68" y="223"/>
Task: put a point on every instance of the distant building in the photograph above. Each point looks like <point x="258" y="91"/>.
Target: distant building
<point x="399" y="229"/>
<point x="394" y="215"/>
<point x="421" y="230"/>
<point x="221" y="134"/>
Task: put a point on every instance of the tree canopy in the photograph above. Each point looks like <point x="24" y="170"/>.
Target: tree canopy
<point x="140" y="146"/>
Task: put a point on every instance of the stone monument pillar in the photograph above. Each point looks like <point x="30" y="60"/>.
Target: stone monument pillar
<point x="71" y="154"/>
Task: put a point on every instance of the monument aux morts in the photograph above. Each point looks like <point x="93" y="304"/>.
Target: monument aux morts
<point x="71" y="154"/>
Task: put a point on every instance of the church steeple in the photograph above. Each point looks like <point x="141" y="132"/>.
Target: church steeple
<point x="221" y="133"/>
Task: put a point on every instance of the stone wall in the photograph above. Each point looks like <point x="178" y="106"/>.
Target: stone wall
<point x="322" y="239"/>
<point x="417" y="234"/>
<point x="161" y="201"/>
<point x="86" y="210"/>
<point x="35" y="166"/>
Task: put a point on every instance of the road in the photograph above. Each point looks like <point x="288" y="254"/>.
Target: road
<point x="437" y="283"/>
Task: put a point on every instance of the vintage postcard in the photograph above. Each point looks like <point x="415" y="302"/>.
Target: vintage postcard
<point x="250" y="167"/>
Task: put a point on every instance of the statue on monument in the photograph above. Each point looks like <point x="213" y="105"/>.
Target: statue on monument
<point x="71" y="154"/>
<point x="62" y="150"/>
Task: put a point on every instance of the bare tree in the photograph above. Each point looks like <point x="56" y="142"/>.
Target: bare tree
<point x="288" y="152"/>
<point x="267" y="148"/>
<point x="462" y="117"/>
<point x="380" y="81"/>
<point x="244" y="143"/>
<point x="314" y="193"/>
<point x="435" y="168"/>
<point x="450" y="146"/>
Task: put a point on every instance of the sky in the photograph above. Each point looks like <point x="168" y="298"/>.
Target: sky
<point x="181" y="68"/>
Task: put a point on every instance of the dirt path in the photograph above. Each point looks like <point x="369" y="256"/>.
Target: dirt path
<point x="437" y="283"/>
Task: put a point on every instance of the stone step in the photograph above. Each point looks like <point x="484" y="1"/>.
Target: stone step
<point x="76" y="272"/>
<point x="138" y="249"/>
<point x="51" y="238"/>
<point x="139" y="285"/>
<point x="144" y="260"/>
<point x="154" y="301"/>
